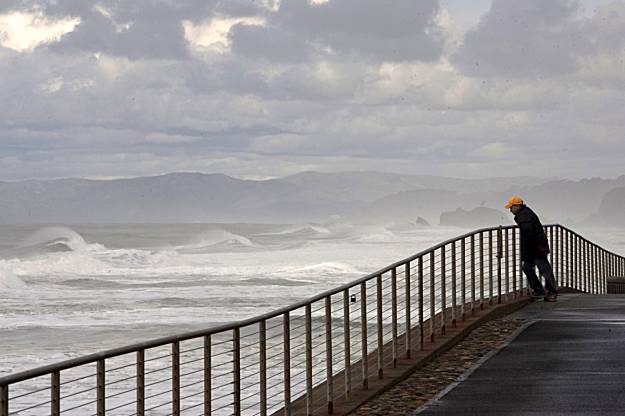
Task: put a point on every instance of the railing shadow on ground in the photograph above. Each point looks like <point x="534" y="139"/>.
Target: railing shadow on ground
<point x="308" y="358"/>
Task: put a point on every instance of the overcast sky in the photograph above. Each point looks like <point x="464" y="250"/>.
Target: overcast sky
<point x="265" y="88"/>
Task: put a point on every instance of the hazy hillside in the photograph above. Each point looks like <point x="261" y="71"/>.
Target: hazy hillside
<point x="475" y="218"/>
<point x="308" y="196"/>
<point x="409" y="205"/>
<point x="611" y="211"/>
<point x="373" y="185"/>
<point x="576" y="200"/>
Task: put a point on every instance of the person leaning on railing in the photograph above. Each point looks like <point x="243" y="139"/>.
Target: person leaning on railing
<point x="534" y="250"/>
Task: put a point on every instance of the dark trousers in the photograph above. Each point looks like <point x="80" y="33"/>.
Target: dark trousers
<point x="544" y="267"/>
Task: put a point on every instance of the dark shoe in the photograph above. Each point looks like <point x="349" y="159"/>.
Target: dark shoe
<point x="536" y="295"/>
<point x="551" y="297"/>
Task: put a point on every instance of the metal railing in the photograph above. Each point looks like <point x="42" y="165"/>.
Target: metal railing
<point x="315" y="352"/>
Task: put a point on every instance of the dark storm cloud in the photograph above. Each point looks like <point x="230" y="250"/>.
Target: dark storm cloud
<point x="272" y="44"/>
<point x="150" y="36"/>
<point x="404" y="31"/>
<point x="526" y="38"/>
<point x="132" y="29"/>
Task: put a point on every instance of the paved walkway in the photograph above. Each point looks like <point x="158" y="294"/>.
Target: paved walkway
<point x="570" y="362"/>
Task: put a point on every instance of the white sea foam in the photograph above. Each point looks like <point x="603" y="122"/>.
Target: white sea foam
<point x="299" y="230"/>
<point x="375" y="235"/>
<point x="53" y="236"/>
<point x="324" y="268"/>
<point x="217" y="239"/>
<point x="8" y="280"/>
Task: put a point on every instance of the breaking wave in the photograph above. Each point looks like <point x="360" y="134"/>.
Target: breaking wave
<point x="8" y="280"/>
<point x="299" y="231"/>
<point x="218" y="240"/>
<point x="324" y="269"/>
<point x="254" y="281"/>
<point x="50" y="240"/>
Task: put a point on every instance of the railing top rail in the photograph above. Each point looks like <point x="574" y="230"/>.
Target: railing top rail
<point x="159" y="342"/>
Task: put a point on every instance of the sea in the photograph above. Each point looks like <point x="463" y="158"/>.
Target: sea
<point x="67" y="291"/>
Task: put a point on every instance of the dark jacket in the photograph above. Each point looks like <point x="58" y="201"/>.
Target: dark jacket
<point x="534" y="243"/>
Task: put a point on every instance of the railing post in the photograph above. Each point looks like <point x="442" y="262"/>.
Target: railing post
<point x="577" y="268"/>
<point x="454" y="288"/>
<point x="565" y="258"/>
<point x="490" y="267"/>
<point x="555" y="254"/>
<point x="408" y="311"/>
<point x="599" y="270"/>
<point x="612" y="264"/>
<point x="472" y="274"/>
<point x="420" y="271"/>
<point x="587" y="266"/>
<point x="481" y="270"/>
<point x="599" y="267"/>
<point x="309" y="364"/>
<point x="286" y="327"/>
<point x="523" y="281"/>
<point x="329" y="370"/>
<point x="514" y="266"/>
<point x="604" y="270"/>
<point x="55" y="393"/>
<point x="347" y="345"/>
<point x="394" y="315"/>
<point x="507" y="263"/>
<point x="578" y="263"/>
<point x="432" y="294"/>
<point x="569" y="260"/>
<point x="101" y="392"/>
<point x="463" y="278"/>
<point x="363" y="335"/>
<point x="208" y="378"/>
<point x="581" y="263"/>
<point x="573" y="263"/>
<point x="499" y="255"/>
<point x="551" y="250"/>
<point x="4" y="400"/>
<point x="443" y="291"/>
<point x="612" y="268"/>
<point x="595" y="270"/>
<point x="236" y="362"/>
<point x="140" y="383"/>
<point x="380" y="328"/>
<point x="175" y="379"/>
<point x="560" y="255"/>
<point x="262" y="362"/>
<point x="582" y="266"/>
<point x="599" y="286"/>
